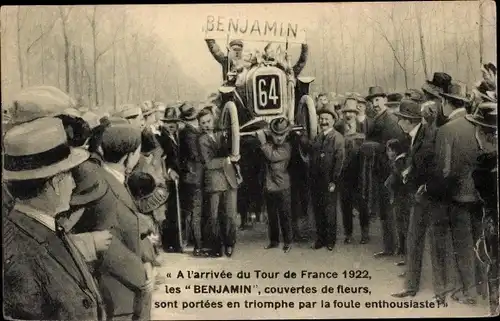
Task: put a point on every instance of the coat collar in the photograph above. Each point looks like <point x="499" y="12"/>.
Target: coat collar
<point x="51" y="243"/>
<point x="120" y="191"/>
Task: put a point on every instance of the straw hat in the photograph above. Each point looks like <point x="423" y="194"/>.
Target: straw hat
<point x="40" y="101"/>
<point x="29" y="158"/>
<point x="129" y="111"/>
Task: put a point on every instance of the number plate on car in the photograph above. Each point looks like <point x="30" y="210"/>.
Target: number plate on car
<point x="268" y="93"/>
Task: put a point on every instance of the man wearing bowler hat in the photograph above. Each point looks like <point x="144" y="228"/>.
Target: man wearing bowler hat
<point x="419" y="173"/>
<point x="393" y="101"/>
<point x="385" y="127"/>
<point x="45" y="275"/>
<point x="458" y="146"/>
<point x="277" y="152"/>
<point x="456" y="101"/>
<point x="327" y="158"/>
<point x="440" y="83"/>
<point x="191" y="173"/>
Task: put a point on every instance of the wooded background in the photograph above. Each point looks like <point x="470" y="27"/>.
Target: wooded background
<point x="109" y="55"/>
<point x="398" y="45"/>
<point x="99" y="54"/>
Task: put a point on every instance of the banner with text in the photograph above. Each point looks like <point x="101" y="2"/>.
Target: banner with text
<point x="218" y="27"/>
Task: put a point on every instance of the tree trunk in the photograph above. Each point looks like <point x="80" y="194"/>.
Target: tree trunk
<point x="94" y="40"/>
<point x="421" y="37"/>
<point x="76" y="85"/>
<point x="396" y="51"/>
<point x="481" y="33"/>
<point x="114" y="76"/>
<point x="66" y="58"/>
<point x="42" y="60"/>
<point x="19" y="51"/>
<point x="374" y="54"/>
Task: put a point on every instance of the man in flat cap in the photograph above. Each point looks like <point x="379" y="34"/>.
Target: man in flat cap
<point x="45" y="275"/>
<point x="230" y="62"/>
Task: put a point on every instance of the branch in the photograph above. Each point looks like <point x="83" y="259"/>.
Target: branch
<point x="111" y="44"/>
<point x="390" y="45"/>
<point x="42" y="34"/>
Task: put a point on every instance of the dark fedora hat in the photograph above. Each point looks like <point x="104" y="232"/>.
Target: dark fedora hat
<point x="415" y="95"/>
<point x="188" y="112"/>
<point x="394" y="99"/>
<point x="375" y="91"/>
<point x="328" y="109"/>
<point x="456" y="91"/>
<point x="171" y="115"/>
<point x="89" y="185"/>
<point x="148" y="196"/>
<point x="485" y="115"/>
<point x="440" y="83"/>
<point x="280" y="126"/>
<point x="409" y="109"/>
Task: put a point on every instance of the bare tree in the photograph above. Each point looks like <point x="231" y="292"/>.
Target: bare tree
<point x="418" y="14"/>
<point x="481" y="32"/>
<point x="64" y="15"/>
<point x="19" y="51"/>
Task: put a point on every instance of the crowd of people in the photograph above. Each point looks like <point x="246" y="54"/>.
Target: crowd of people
<point x="90" y="202"/>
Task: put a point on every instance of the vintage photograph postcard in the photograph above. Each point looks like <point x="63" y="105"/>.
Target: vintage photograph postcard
<point x="250" y="161"/>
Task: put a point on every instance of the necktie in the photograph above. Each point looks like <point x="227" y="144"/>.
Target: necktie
<point x="82" y="267"/>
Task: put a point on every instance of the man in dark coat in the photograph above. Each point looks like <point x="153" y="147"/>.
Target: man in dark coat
<point x="277" y="152"/>
<point x="220" y="185"/>
<point x="350" y="127"/>
<point x="433" y="89"/>
<point x="169" y="141"/>
<point x="385" y="127"/>
<point x="456" y="102"/>
<point x="125" y="270"/>
<point x="191" y="173"/>
<point x="45" y="275"/>
<point x="327" y="154"/>
<point x="458" y="146"/>
<point x="417" y="176"/>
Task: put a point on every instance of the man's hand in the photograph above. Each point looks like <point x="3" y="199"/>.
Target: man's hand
<point x="234" y="159"/>
<point x="331" y="187"/>
<point x="173" y="175"/>
<point x="102" y="240"/>
<point x="261" y="136"/>
<point x="150" y="284"/>
<point x="420" y="192"/>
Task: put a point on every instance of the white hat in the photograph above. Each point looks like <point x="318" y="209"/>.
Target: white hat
<point x="28" y="157"/>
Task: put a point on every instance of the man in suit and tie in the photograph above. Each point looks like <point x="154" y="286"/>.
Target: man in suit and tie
<point x="418" y="173"/>
<point x="45" y="275"/>
<point x="385" y="127"/>
<point x="191" y="173"/>
<point x="220" y="185"/>
<point x="365" y="123"/>
<point x="458" y="146"/>
<point x="327" y="159"/>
